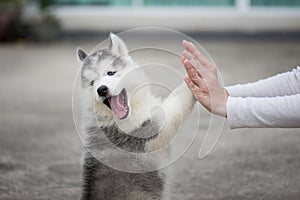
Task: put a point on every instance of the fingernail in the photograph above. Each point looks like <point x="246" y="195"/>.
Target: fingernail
<point x="185" y="43"/>
<point x="185" y="79"/>
<point x="184" y="54"/>
<point x="187" y="55"/>
<point x="186" y="61"/>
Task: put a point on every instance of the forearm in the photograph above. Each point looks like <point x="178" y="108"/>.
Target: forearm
<point x="282" y="84"/>
<point x="275" y="112"/>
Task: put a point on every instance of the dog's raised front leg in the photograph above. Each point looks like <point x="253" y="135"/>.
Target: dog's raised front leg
<point x="176" y="108"/>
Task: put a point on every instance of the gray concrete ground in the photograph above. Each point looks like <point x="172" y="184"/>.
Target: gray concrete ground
<point x="40" y="150"/>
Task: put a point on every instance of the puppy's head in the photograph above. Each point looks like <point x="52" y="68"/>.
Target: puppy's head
<point x="103" y="77"/>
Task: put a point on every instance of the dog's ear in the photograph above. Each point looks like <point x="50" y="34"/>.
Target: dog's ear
<point x="81" y="55"/>
<point x="117" y="46"/>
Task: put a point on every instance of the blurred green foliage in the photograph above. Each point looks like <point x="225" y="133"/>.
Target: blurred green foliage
<point x="8" y="3"/>
<point x="44" y="4"/>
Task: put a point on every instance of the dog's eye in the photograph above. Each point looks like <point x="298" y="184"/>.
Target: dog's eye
<point x="111" y="73"/>
<point x="92" y="83"/>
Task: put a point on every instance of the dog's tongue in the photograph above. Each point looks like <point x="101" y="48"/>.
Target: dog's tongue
<point x="118" y="106"/>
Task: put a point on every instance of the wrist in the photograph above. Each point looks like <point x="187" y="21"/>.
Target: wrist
<point x="226" y="95"/>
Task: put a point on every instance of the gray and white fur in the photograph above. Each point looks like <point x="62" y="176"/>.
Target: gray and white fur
<point x="126" y="125"/>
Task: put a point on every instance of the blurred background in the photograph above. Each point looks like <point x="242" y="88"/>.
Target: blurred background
<point x="40" y="19"/>
<point x="40" y="155"/>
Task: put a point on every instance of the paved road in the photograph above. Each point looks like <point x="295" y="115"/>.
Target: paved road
<point x="40" y="150"/>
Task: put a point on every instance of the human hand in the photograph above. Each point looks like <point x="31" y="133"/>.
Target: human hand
<point x="203" y="81"/>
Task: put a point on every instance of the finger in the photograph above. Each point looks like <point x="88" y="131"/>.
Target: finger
<point x="197" y="91"/>
<point x="185" y="44"/>
<point x="190" y="69"/>
<point x="190" y="47"/>
<point x="196" y="78"/>
<point x="190" y="83"/>
<point x="187" y="55"/>
<point x="187" y="64"/>
<point x="195" y="63"/>
<point x="191" y="58"/>
<point x="195" y="73"/>
<point x="199" y="81"/>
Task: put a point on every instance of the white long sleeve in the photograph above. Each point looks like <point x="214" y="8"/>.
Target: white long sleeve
<point x="273" y="102"/>
<point x="287" y="83"/>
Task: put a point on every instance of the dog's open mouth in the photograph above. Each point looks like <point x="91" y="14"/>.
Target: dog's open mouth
<point x="118" y="104"/>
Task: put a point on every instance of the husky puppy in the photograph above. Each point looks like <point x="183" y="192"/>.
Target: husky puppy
<point x="118" y="114"/>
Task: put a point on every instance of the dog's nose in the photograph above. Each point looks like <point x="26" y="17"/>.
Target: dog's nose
<point x="102" y="90"/>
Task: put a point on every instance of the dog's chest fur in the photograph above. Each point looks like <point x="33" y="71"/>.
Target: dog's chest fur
<point x="101" y="138"/>
<point x="103" y="182"/>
